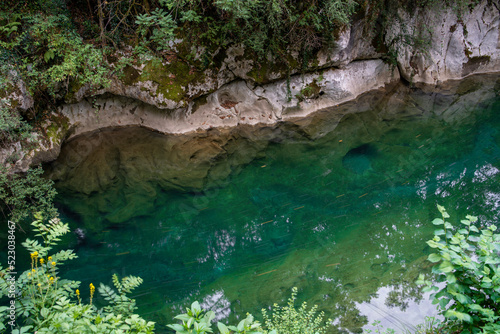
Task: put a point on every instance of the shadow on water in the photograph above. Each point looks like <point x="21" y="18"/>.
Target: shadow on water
<point x="337" y="204"/>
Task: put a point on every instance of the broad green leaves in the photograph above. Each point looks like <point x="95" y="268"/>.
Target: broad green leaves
<point x="468" y="261"/>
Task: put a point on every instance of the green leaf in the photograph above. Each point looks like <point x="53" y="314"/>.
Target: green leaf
<point x="458" y="315"/>
<point x="433" y="244"/>
<point x="209" y="316"/>
<point x="462" y="299"/>
<point x="465" y="222"/>
<point x="434" y="257"/>
<point x="439" y="232"/>
<point x="492" y="260"/>
<point x="438" y="221"/>
<point x="195" y="308"/>
<point x="48" y="56"/>
<point x="450" y="278"/>
<point x="473" y="219"/>
<point x="487" y="233"/>
<point x="446" y="267"/>
<point x="183" y="317"/>
<point x="241" y="325"/>
<point x="443" y="302"/>
<point x="222" y="328"/>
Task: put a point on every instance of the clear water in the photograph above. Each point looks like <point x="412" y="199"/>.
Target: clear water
<point x="341" y="211"/>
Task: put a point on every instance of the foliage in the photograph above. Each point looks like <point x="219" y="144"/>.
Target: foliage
<point x="431" y="325"/>
<point x="196" y="321"/>
<point x="467" y="263"/>
<point x="46" y="304"/>
<point x="162" y="26"/>
<point x="23" y="195"/>
<point x="49" y="54"/>
<point x="12" y="127"/>
<point x="287" y="319"/>
<point x="261" y="26"/>
<point x="284" y="320"/>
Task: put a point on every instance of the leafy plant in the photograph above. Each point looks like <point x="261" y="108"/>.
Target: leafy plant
<point x="45" y="303"/>
<point x="23" y="195"/>
<point x="467" y="263"/>
<point x="284" y="320"/>
<point x="289" y="320"/>
<point x="12" y="126"/>
<point x="431" y="325"/>
<point x="196" y="321"/>
<point x="162" y="25"/>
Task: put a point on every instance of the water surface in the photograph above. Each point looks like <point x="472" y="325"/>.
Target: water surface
<point x="338" y="205"/>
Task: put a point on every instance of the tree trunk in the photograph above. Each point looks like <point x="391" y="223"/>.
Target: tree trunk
<point x="101" y="23"/>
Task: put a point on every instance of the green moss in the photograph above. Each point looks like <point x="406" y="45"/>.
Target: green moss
<point x="73" y="88"/>
<point x="172" y="79"/>
<point x="58" y="128"/>
<point x="261" y="72"/>
<point x="310" y="91"/>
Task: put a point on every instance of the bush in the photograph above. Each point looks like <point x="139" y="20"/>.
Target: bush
<point x="287" y="319"/>
<point x="46" y="304"/>
<point x="284" y="320"/>
<point x="24" y="195"/>
<point x="467" y="262"/>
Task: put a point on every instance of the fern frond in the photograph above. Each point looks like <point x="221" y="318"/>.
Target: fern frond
<point x="129" y="283"/>
<point x="116" y="282"/>
<point x="64" y="255"/>
<point x="34" y="246"/>
<point x="108" y="294"/>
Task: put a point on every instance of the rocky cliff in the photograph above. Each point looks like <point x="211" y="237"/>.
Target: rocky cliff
<point x="172" y="97"/>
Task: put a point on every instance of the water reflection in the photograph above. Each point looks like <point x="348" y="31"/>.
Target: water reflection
<point x="401" y="307"/>
<point x="235" y="218"/>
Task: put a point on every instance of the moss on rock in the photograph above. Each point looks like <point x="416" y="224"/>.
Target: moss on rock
<point x="172" y="78"/>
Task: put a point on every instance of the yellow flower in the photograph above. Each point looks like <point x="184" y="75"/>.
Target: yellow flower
<point x="33" y="270"/>
<point x="42" y="261"/>
<point x="34" y="255"/>
<point x="51" y="280"/>
<point x="50" y="258"/>
<point x="53" y="263"/>
<point x="92" y="290"/>
<point x="77" y="292"/>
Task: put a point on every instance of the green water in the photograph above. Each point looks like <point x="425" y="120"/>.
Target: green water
<point x="341" y="212"/>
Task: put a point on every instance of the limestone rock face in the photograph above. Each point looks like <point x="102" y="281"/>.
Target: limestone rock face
<point x="16" y="93"/>
<point x="238" y="102"/>
<point x="458" y="47"/>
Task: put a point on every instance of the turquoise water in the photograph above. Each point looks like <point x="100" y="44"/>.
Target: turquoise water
<point x="341" y="211"/>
